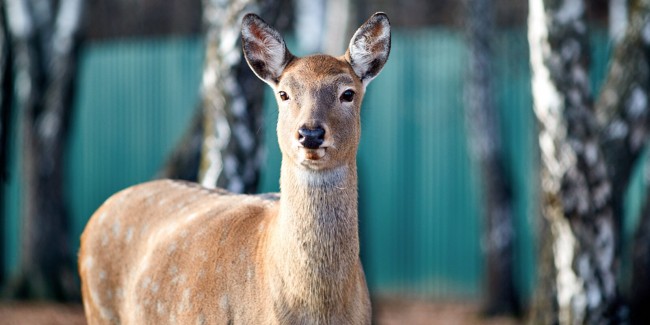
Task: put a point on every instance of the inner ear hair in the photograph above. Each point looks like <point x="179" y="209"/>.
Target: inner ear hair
<point x="264" y="48"/>
<point x="370" y="47"/>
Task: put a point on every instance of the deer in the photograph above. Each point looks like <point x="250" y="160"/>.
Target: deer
<point x="173" y="252"/>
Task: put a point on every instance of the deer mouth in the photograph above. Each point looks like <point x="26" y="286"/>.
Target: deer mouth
<point x="313" y="154"/>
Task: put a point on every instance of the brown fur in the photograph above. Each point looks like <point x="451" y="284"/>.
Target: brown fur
<point x="173" y="252"/>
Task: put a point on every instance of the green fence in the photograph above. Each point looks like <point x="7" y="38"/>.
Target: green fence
<point x="419" y="195"/>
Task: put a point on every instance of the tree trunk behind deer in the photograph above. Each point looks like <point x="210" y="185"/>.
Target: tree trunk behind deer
<point x="624" y="114"/>
<point x="223" y="144"/>
<point x="576" y="191"/>
<point x="6" y="95"/>
<point x="640" y="289"/>
<point x="484" y="135"/>
<point x="45" y="44"/>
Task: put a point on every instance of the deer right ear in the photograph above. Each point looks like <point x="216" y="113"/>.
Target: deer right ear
<point x="264" y="49"/>
<point x="369" y="47"/>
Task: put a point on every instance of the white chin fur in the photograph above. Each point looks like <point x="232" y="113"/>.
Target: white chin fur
<point x="319" y="178"/>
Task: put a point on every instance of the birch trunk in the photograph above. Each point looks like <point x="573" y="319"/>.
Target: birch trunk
<point x="320" y="24"/>
<point x="624" y="113"/>
<point x="617" y="19"/>
<point x="576" y="191"/>
<point x="310" y="25"/>
<point x="45" y="43"/>
<point x="483" y="129"/>
<point x="6" y="95"/>
<point x="232" y="149"/>
<point x="622" y="107"/>
<point x="628" y="133"/>
<point x="640" y="289"/>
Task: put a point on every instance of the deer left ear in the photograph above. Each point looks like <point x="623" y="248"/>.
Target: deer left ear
<point x="264" y="49"/>
<point x="369" y="47"/>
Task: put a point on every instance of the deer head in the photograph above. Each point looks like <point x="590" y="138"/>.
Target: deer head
<point x="319" y="96"/>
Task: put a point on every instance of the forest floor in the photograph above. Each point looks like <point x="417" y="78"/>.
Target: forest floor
<point x="387" y="312"/>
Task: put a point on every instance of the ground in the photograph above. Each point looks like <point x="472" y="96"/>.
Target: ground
<point x="388" y="312"/>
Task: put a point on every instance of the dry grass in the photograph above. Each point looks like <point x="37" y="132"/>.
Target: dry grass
<point x="422" y="312"/>
<point x="387" y="312"/>
<point x="41" y="314"/>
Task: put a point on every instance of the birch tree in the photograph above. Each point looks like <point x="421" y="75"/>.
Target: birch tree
<point x="624" y="116"/>
<point x="576" y="192"/>
<point x="484" y="136"/>
<point x="640" y="289"/>
<point x="44" y="40"/>
<point x="320" y="24"/>
<point x="588" y="151"/>
<point x="617" y="19"/>
<point x="229" y="150"/>
<point x="6" y="95"/>
<point x="625" y="107"/>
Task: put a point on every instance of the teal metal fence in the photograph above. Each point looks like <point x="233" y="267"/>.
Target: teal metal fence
<point x="419" y="195"/>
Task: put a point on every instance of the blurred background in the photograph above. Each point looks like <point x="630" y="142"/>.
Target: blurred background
<point x="100" y="95"/>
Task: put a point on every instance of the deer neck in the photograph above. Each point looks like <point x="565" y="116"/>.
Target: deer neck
<point x="315" y="244"/>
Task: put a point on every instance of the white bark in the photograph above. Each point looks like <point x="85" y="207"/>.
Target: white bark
<point x="310" y="25"/>
<point x="320" y="24"/>
<point x="222" y="93"/>
<point x="617" y="19"/>
<point x="577" y="189"/>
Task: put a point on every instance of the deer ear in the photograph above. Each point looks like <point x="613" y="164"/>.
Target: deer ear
<point x="369" y="47"/>
<point x="264" y="49"/>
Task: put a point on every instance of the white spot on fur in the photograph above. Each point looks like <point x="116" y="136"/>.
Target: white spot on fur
<point x="102" y="217"/>
<point x="116" y="228"/>
<point x="102" y="275"/>
<point x="88" y="262"/>
<point x="223" y="302"/>
<point x="104" y="312"/>
<point x="171" y="248"/>
<point x="185" y="233"/>
<point x="146" y="282"/>
<point x="185" y="301"/>
<point x="180" y="279"/>
<point x="119" y="293"/>
<point x="200" y="320"/>
<point x="160" y="308"/>
<point x="129" y="234"/>
<point x="155" y="287"/>
<point x="104" y="239"/>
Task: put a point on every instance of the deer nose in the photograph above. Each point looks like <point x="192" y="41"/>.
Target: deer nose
<point x="311" y="138"/>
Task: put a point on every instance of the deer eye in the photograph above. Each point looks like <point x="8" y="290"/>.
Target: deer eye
<point x="283" y="96"/>
<point x="347" y="95"/>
